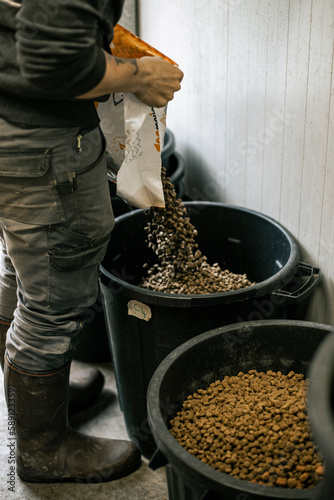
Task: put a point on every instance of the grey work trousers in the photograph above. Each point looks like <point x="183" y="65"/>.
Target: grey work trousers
<point x="55" y="224"/>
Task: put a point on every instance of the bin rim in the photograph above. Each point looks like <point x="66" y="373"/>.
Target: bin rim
<point x="168" y="445"/>
<point x="321" y="375"/>
<point x="260" y="289"/>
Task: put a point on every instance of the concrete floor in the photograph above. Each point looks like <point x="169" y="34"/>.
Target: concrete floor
<point x="103" y="419"/>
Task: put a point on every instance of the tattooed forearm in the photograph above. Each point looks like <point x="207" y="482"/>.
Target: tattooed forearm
<point x="120" y="80"/>
<point x="128" y="61"/>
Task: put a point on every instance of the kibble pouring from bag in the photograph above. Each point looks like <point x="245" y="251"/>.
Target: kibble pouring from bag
<point x="182" y="267"/>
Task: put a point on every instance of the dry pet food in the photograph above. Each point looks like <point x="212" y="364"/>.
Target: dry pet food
<point x="254" y="427"/>
<point x="182" y="267"/>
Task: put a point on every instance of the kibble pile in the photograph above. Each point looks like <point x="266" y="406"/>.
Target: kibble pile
<point x="252" y="426"/>
<point x="182" y="267"/>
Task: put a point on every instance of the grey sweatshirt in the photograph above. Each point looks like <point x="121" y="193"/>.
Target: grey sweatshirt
<point x="50" y="52"/>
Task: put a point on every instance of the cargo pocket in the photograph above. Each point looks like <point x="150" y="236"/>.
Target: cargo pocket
<point x="74" y="262"/>
<point x="28" y="189"/>
<point x="78" y="253"/>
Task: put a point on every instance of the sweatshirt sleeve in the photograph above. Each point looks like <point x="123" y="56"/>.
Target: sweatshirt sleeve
<point x="59" y="46"/>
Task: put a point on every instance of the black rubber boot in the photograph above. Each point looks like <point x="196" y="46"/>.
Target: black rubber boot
<point x="48" y="450"/>
<point x="85" y="385"/>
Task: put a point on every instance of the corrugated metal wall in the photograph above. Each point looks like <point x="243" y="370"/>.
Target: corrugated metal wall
<point x="254" y="119"/>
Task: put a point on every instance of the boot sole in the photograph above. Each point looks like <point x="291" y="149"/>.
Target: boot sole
<point x="94" y="478"/>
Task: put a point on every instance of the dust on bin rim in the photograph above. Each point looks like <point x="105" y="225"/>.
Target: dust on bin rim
<point x="168" y="444"/>
<point x="270" y="285"/>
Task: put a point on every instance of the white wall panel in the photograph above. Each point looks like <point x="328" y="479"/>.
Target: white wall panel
<point x="129" y="19"/>
<point x="255" y="116"/>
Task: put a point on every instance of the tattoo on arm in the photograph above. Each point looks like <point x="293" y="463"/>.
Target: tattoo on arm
<point x="128" y="61"/>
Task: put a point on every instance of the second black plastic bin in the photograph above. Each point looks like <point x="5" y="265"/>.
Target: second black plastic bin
<point x="276" y="345"/>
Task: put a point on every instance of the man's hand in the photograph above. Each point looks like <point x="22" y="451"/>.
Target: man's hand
<point x="158" y="81"/>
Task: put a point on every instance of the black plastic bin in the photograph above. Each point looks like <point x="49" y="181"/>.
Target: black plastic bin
<point x="92" y="345"/>
<point x="242" y="241"/>
<point x="168" y="148"/>
<point x="176" y="173"/>
<point x="278" y="345"/>
<point x="321" y="411"/>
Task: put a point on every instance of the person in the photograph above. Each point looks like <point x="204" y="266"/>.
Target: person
<point x="56" y="217"/>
